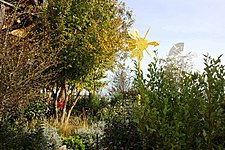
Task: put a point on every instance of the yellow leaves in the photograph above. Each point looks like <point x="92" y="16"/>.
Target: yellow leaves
<point x="138" y="44"/>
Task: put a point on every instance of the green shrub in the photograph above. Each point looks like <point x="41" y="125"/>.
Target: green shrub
<point x="91" y="136"/>
<point x="91" y="104"/>
<point x="11" y="127"/>
<point x="24" y="123"/>
<point x="123" y="97"/>
<point x="74" y="143"/>
<point x="42" y="138"/>
<point x="187" y="114"/>
<point x="38" y="109"/>
<point x="120" y="130"/>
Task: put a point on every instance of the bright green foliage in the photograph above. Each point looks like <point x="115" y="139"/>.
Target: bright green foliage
<point x="37" y="109"/>
<point x="74" y="142"/>
<point x="214" y="114"/>
<point x="188" y="115"/>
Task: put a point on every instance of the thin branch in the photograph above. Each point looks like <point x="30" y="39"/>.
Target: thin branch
<point x="7" y="3"/>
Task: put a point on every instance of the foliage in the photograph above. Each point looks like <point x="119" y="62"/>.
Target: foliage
<point x="92" y="105"/>
<point x="120" y="132"/>
<point x="40" y="138"/>
<point x="74" y="142"/>
<point x="188" y="116"/>
<point x="92" y="35"/>
<point x="38" y="109"/>
<point x="91" y="136"/>
<point x="123" y="97"/>
<point x="62" y="55"/>
<point x="214" y="115"/>
<point x="46" y="137"/>
<point x="9" y="129"/>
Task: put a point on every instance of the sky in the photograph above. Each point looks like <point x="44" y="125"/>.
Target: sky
<point x="200" y="24"/>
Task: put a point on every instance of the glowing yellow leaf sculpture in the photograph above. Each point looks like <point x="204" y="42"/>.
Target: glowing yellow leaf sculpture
<point x="138" y="44"/>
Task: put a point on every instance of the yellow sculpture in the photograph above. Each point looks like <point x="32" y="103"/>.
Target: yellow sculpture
<point x="138" y="44"/>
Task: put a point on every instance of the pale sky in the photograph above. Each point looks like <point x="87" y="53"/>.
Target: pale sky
<point x="200" y="24"/>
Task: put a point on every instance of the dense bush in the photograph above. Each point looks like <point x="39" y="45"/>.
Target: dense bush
<point x="91" y="136"/>
<point x="182" y="115"/>
<point x="38" y="109"/>
<point x="91" y="104"/>
<point x="11" y="126"/>
<point x="74" y="143"/>
<point x="123" y="97"/>
<point x="120" y="131"/>
<point x="43" y="137"/>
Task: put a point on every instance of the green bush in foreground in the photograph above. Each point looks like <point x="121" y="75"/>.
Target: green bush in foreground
<point x="43" y="137"/>
<point x="188" y="114"/>
<point x="74" y="142"/>
<point x="120" y="130"/>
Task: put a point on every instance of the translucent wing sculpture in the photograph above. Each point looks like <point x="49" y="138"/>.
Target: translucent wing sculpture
<point x="176" y="49"/>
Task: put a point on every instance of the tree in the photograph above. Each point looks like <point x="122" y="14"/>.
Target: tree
<point x="121" y="81"/>
<point x="121" y="78"/>
<point x="90" y="34"/>
<point x="121" y="88"/>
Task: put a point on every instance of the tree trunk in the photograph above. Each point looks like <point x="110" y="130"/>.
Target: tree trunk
<point x="56" y="111"/>
<point x="55" y="98"/>
<point x="74" y="104"/>
<point x="65" y="91"/>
